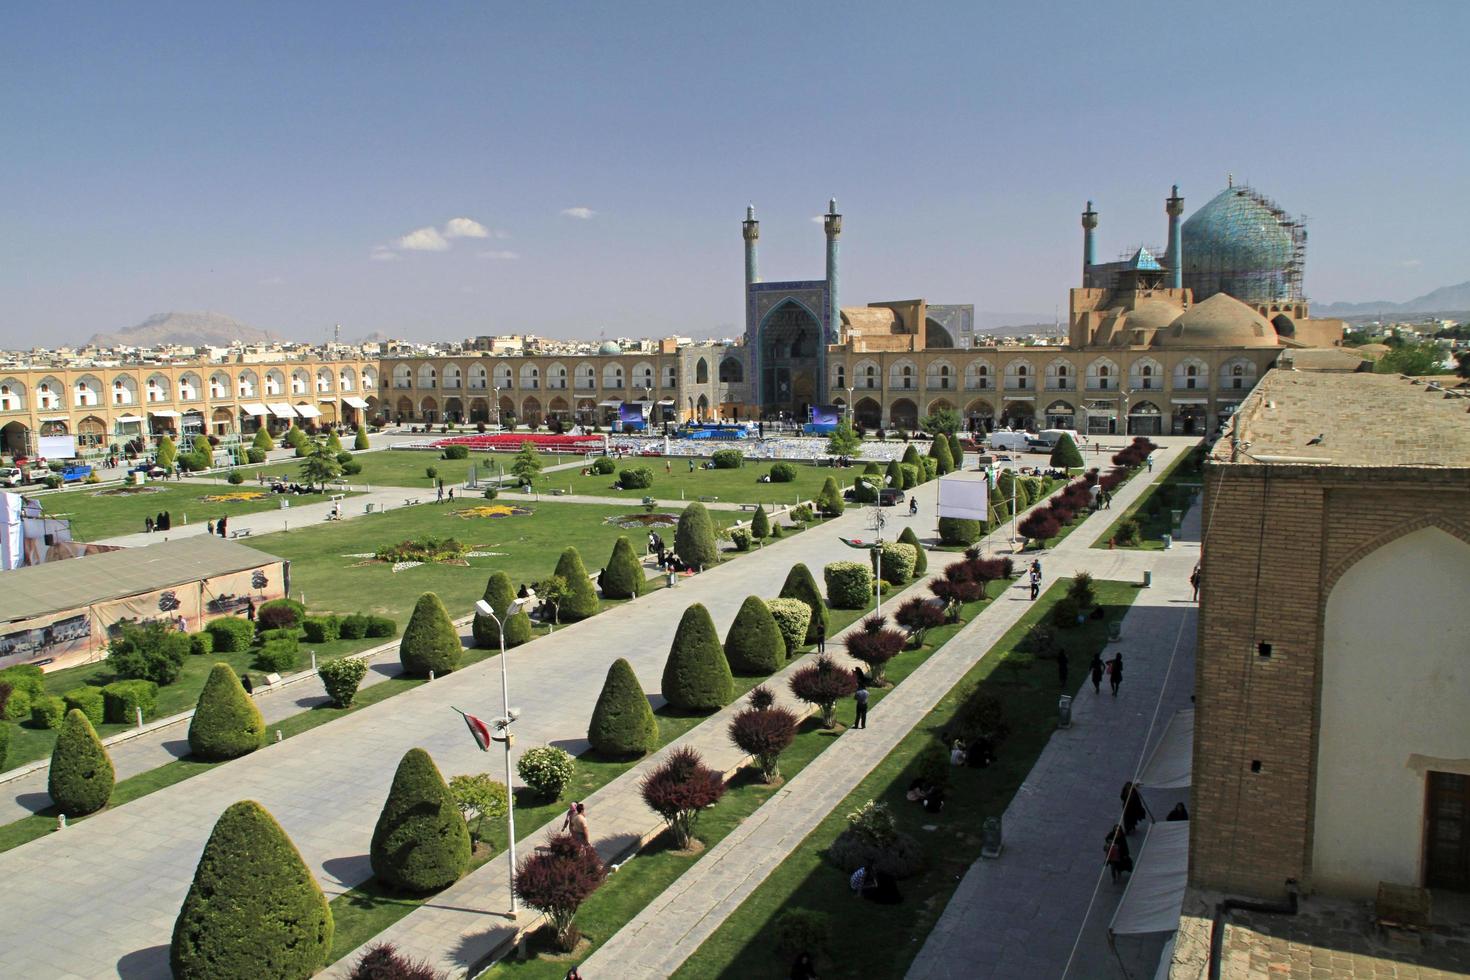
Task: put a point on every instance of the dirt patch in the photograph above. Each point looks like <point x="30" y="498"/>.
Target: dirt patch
<point x="633" y="522"/>
<point x="129" y="491"/>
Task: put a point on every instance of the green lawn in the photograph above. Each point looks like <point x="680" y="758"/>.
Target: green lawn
<point x="891" y="936"/>
<point x="656" y="867"/>
<point x="402" y="468"/>
<point x="1175" y="488"/>
<point x="101" y="512"/>
<point x="525" y="547"/>
<point x="672" y="480"/>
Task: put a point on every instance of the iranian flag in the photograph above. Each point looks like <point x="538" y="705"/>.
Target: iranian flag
<point x="478" y="729"/>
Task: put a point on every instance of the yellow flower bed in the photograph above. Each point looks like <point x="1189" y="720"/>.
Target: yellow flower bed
<point x="235" y="497"/>
<point x="492" y="510"/>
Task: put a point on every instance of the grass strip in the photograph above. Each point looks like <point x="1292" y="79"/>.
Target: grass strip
<point x="1175" y="486"/>
<point x="744" y="944"/>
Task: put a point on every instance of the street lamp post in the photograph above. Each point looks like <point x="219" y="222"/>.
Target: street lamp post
<point x="502" y="725"/>
<point x="648" y="400"/>
<point x="851" y="415"/>
<point x="496" y="389"/>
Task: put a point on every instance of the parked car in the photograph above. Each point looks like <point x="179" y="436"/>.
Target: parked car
<point x="11" y="477"/>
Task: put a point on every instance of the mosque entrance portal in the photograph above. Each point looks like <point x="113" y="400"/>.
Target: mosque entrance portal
<point x="789" y="353"/>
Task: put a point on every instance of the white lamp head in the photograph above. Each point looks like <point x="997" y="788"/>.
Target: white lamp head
<point x="484" y="609"/>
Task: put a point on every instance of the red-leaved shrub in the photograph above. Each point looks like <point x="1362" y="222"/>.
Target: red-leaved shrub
<point x="557" y="879"/>
<point x="823" y="684"/>
<point x="678" y="789"/>
<point x="764" y="733"/>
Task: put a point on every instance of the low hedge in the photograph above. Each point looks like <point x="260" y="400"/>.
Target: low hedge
<point x="849" y="584"/>
<point x="121" y="699"/>
<point x="231" y="634"/>
<point x="353" y="627"/>
<point x="603" y="466"/>
<point x="322" y="629"/>
<point x="279" y="614"/>
<point x="89" y="701"/>
<point x="898" y="562"/>
<point x="47" y="712"/>
<point x="728" y="459"/>
<point x="201" y="643"/>
<point x="456" y="452"/>
<point x="277" y="657"/>
<point x="381" y="626"/>
<point x="957" y="530"/>
<point x="635" y="478"/>
<point x="783" y="473"/>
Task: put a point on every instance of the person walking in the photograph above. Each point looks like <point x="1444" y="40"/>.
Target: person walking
<point x="250" y="609"/>
<point x="1115" y="672"/>
<point x="1096" y="668"/>
<point x="220" y="527"/>
<point x="147" y="525"/>
<point x="1036" y="569"/>
<point x="860" y="698"/>
<point x="1115" y="845"/>
<point x="209" y="527"/>
<point x="451" y="495"/>
<point x="1035" y="587"/>
<point x="1194" y="578"/>
<point x="1133" y="809"/>
<point x="691" y="464"/>
<point x="821" y="637"/>
<point x="576" y="824"/>
<point x="913" y="505"/>
<point x="1062" y="668"/>
<point x="439" y="498"/>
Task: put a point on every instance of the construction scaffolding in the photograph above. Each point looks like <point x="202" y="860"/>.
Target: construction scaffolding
<point x="1244" y="244"/>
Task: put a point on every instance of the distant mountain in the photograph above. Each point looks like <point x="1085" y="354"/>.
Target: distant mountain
<point x="1446" y="299"/>
<point x="376" y="337"/>
<point x="987" y="322"/>
<point x="189" y="329"/>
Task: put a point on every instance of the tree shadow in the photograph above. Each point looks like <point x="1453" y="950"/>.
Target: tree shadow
<point x="144" y="963"/>
<point x="353" y="868"/>
<point x="38" y="803"/>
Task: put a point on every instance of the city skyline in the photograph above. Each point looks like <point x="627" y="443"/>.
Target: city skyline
<point x="444" y="174"/>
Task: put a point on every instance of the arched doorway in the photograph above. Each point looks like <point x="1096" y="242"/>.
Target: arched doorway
<point x="430" y="409"/>
<point x="91" y="432"/>
<point x="479" y="410"/>
<point x="404" y="408"/>
<point x="453" y="410"/>
<point x="1060" y="415"/>
<point x="790" y="359"/>
<point x="1018" y="415"/>
<point x="15" y="439"/>
<point x="903" y="414"/>
<point x="980" y="416"/>
<point x="1145" y="419"/>
<point x="222" y="421"/>
<point x="868" y="413"/>
<point x="531" y="410"/>
<point x="1190" y="420"/>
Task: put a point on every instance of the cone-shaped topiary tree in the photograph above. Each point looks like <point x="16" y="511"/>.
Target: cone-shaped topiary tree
<point x="254" y="909"/>
<point x="622" y="723"/>
<point x="958" y="530"/>
<point x="694" y="538"/>
<point x="956" y="450"/>
<point x="226" y="722"/>
<point x="893" y="475"/>
<point x="1065" y="455"/>
<point x="829" y="499"/>
<point x="334" y="442"/>
<point x="921" y="563"/>
<point x="939" y="452"/>
<point x="500" y="594"/>
<point x="166" y="453"/>
<point x="760" y="524"/>
<point x="801" y="585"/>
<point x="421" y="842"/>
<point x="81" y="778"/>
<point x="754" y="645"/>
<point x="696" y="675"/>
<point x="623" y="577"/>
<point x="430" y="641"/>
<point x="360" y="441"/>
<point x="581" y="599"/>
<point x="912" y="457"/>
<point x="263" y="439"/>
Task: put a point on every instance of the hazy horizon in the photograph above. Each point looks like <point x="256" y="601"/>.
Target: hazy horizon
<point x="435" y="173"/>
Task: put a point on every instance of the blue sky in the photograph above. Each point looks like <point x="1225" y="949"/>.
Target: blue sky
<point x="274" y="161"/>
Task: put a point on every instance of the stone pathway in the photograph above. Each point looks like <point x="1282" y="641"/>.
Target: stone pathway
<point x="667" y="931"/>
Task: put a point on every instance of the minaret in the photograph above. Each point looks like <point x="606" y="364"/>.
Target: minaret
<point x="1174" y="255"/>
<point x="1089" y="244"/>
<point x="752" y="231"/>
<point x="832" y="222"/>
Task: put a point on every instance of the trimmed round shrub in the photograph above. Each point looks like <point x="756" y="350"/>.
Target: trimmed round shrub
<point x="25" y="684"/>
<point x="728" y="459"/>
<point x="740" y="538"/>
<point x="902" y="857"/>
<point x="80" y="779"/>
<point x="500" y="594"/>
<point x="921" y="561"/>
<point x="341" y="678"/>
<point x="89" y="701"/>
<point x="958" y="530"/>
<point x="343" y="458"/>
<point x="47" y="711"/>
<point x="783" y="473"/>
<point x="696" y="675"/>
<point x="321" y="629"/>
<point x="603" y="466"/>
<point x="622" y="723"/>
<point x="351" y="468"/>
<point x="829" y="499"/>
<point x="279" y="614"/>
<point x="201" y="644"/>
<point x="940" y="452"/>
<point x="893" y="474"/>
<point x="421" y="842"/>
<point x="278" y="657"/>
<point x="865" y="489"/>
<point x="956" y="450"/>
<point x="226" y="722"/>
<point x="255" y="454"/>
<point x="635" y="478"/>
<point x="849" y="584"/>
<point x="547" y="770"/>
<point x="898" y="562"/>
<point x="803" y="931"/>
<point x="455" y="452"/>
<point x="430" y="641"/>
<point x="791" y="617"/>
<point x="232" y="634"/>
<point x="930" y="466"/>
<point x="910" y="474"/>
<point x="754" y="645"/>
<point x="263" y="440"/>
<point x="694" y="538"/>
<point x="353" y="627"/>
<point x="760" y="524"/>
<point x="381" y="626"/>
<point x="254" y="908"/>
<point x="235" y="478"/>
<point x="150" y="651"/>
<point x="121" y="701"/>
<point x="581" y="601"/>
<point x="623" y="577"/>
<point x="801" y="585"/>
<point x="801" y="514"/>
<point x="912" y="458"/>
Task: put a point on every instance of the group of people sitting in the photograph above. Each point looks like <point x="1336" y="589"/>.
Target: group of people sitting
<point x="279" y="485"/>
<point x="926" y="793"/>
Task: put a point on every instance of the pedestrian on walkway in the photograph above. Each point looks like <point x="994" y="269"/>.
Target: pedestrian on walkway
<point x="1036" y="569"/>
<point x="821" y="637"/>
<point x="1035" y="587"/>
<point x="913" y="505"/>
<point x="1194" y="578"/>
<point x="1133" y="809"/>
<point x="1180" y="812"/>
<point x="1061" y="668"/>
<point x="147" y="525"/>
<point x="691" y="464"/>
<point x="1096" y="667"/>
<point x="1115" y="672"/>
<point x="246" y="683"/>
<point x="1115" y="844"/>
<point x="250" y="609"/>
<point x="574" y="974"/>
<point x="209" y="527"/>
<point x="860" y="698"/>
<point x="439" y="498"/>
<point x="220" y="527"/>
<point x="576" y="823"/>
<point x="451" y="495"/>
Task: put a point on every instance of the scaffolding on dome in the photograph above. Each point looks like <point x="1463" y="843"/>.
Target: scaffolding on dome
<point x="1245" y="244"/>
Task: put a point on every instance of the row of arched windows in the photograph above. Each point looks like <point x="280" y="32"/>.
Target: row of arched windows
<point x="1101" y="374"/>
<point x="89" y="390"/>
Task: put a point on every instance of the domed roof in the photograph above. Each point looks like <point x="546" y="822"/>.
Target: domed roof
<point x="609" y="347"/>
<point x="1373" y="349"/>
<point x="1239" y="241"/>
<point x="1151" y="314"/>
<point x="1220" y="321"/>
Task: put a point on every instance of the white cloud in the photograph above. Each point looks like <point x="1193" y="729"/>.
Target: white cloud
<point x="818" y="218"/>
<point x="582" y="214"/>
<point x="423" y="240"/>
<point x="500" y="254"/>
<point x="465" y="228"/>
<point x="383" y="254"/>
<point x="1411" y="263"/>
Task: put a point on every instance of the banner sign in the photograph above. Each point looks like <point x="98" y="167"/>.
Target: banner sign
<point x="963" y="497"/>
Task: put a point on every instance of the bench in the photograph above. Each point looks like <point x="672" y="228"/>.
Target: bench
<point x="749" y="506"/>
<point x="708" y="499"/>
<point x="244" y="532"/>
<point x="557" y="492"/>
<point x="407" y="502"/>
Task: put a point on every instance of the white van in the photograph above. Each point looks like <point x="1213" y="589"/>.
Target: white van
<point x="1002" y="439"/>
<point x="1046" y="440"/>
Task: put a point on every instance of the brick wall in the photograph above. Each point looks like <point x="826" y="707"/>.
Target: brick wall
<point x="1277" y="538"/>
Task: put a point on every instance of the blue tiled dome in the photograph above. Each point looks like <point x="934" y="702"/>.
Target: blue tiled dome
<point x="1241" y="244"/>
<point x="609" y="347"/>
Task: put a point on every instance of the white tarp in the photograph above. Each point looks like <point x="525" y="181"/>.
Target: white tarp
<point x="281" y="410"/>
<point x="308" y="411"/>
<point x="254" y="408"/>
<point x="57" y="447"/>
<point x="1155" y="890"/>
<point x="1171" y="764"/>
<point x="166" y="413"/>
<point x="354" y="401"/>
<point x="1166" y="960"/>
<point x="12" y="534"/>
<point x="964" y="497"/>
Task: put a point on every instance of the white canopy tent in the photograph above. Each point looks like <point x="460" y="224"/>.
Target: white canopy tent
<point x="281" y="410"/>
<point x="307" y="411"/>
<point x="254" y="408"/>
<point x="1155" y="892"/>
<point x="1171" y="764"/>
<point x="354" y="401"/>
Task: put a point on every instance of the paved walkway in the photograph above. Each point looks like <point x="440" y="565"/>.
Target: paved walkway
<point x="110" y="916"/>
<point x="667" y="931"/>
